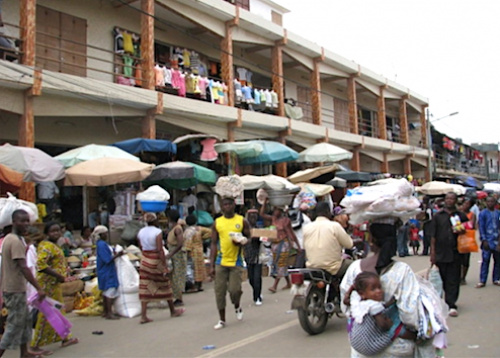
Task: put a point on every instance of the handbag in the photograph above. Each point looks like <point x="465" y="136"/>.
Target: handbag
<point x="466" y="243"/>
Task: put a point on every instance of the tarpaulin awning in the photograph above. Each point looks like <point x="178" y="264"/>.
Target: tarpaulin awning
<point x="137" y="145"/>
<point x="309" y="174"/>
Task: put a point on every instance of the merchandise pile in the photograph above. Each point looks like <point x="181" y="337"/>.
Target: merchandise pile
<point x="384" y="198"/>
<point x="229" y="186"/>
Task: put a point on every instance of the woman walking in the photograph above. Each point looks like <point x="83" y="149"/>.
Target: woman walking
<point x="154" y="284"/>
<point x="281" y="246"/>
<point x="194" y="248"/>
<point x="51" y="266"/>
<point x="175" y="242"/>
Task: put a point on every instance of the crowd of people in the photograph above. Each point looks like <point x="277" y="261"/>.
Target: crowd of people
<point x="377" y="285"/>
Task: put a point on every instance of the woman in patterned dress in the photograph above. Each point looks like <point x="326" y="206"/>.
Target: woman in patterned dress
<point x="175" y="243"/>
<point x="281" y="246"/>
<point x="194" y="248"/>
<point x="51" y="266"/>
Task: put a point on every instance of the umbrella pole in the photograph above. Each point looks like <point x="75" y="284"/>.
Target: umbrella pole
<point x="85" y="201"/>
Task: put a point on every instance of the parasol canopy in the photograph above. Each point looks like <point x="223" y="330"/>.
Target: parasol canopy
<point x="34" y="164"/>
<point x="310" y="174"/>
<point x="194" y="136"/>
<point x="272" y="153"/>
<point x="440" y="188"/>
<point x="241" y="149"/>
<point x="470" y="182"/>
<point x="107" y="171"/>
<point x="337" y="182"/>
<point x="354" y="177"/>
<point x="316" y="189"/>
<point x="137" y="145"/>
<point x="93" y="151"/>
<point x="181" y="175"/>
<point x="10" y="180"/>
<point x="324" y="152"/>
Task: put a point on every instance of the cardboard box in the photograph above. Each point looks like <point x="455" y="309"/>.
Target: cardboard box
<point x="269" y="233"/>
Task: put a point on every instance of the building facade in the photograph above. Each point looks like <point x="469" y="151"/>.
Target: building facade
<point x="99" y="71"/>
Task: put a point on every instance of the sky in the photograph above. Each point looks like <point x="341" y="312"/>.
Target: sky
<point x="445" y="50"/>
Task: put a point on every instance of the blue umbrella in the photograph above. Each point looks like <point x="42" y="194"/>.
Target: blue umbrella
<point x="138" y="145"/>
<point x="470" y="182"/>
<point x="272" y="153"/>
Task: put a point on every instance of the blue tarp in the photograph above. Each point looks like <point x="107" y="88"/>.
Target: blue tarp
<point x="138" y="145"/>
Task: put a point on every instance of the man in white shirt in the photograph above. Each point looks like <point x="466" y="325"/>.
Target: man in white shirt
<point x="324" y="240"/>
<point x="47" y="193"/>
<point x="190" y="199"/>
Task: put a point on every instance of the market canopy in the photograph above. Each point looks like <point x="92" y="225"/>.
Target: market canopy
<point x="324" y="152"/>
<point x="273" y="182"/>
<point x="137" y="145"/>
<point x="440" y="188"/>
<point x="354" y="177"/>
<point x="107" y="171"/>
<point x="93" y="151"/>
<point x="337" y="182"/>
<point x="470" y="182"/>
<point x="180" y="175"/>
<point x="316" y="189"/>
<point x="34" y="164"/>
<point x="10" y="180"/>
<point x="241" y="149"/>
<point x="194" y="136"/>
<point x="309" y="174"/>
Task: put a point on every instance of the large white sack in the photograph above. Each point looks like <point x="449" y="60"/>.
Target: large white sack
<point x="154" y="193"/>
<point x="128" y="277"/>
<point x="407" y="204"/>
<point x="366" y="195"/>
<point x="10" y="204"/>
<point x="128" y="305"/>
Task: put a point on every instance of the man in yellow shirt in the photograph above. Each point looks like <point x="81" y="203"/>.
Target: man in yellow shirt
<point x="324" y="240"/>
<point x="226" y="258"/>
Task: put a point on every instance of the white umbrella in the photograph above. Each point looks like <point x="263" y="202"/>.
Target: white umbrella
<point x="324" y="152"/>
<point x="440" y="188"/>
<point x="492" y="187"/>
<point x="93" y="151"/>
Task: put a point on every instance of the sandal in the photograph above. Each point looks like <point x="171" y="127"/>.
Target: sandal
<point x="272" y="289"/>
<point x="496" y="283"/>
<point x="178" y="312"/>
<point x="146" y="320"/>
<point x="480" y="285"/>
<point x="69" y="342"/>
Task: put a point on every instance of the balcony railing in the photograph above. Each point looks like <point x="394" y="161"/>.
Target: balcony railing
<point x="448" y="161"/>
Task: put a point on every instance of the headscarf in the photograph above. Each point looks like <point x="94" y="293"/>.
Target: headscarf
<point x="98" y="230"/>
<point x="150" y="217"/>
<point x="385" y="237"/>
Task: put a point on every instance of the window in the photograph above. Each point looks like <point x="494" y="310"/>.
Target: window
<point x="277" y="18"/>
<point x="61" y="42"/>
<point x="304" y="101"/>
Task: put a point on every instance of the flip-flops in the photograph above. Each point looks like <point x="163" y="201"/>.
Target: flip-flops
<point x="480" y="285"/>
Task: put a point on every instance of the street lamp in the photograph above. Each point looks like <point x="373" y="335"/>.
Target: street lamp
<point x="429" y="142"/>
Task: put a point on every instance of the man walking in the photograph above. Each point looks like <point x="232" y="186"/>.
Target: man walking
<point x="226" y="258"/>
<point x="15" y="273"/>
<point x="444" y="253"/>
<point x="489" y="226"/>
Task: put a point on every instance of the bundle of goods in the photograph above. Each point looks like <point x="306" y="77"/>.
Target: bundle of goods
<point x="229" y="186"/>
<point x="10" y="204"/>
<point x="386" y="199"/>
<point x="154" y="199"/>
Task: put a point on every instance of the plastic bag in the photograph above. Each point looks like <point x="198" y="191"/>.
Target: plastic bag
<point x="10" y="204"/>
<point x="434" y="277"/>
<point x="466" y="243"/>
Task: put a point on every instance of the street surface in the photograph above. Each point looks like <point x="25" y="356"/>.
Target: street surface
<point x="270" y="330"/>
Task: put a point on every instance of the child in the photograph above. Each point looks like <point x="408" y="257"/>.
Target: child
<point x="414" y="239"/>
<point x="373" y="324"/>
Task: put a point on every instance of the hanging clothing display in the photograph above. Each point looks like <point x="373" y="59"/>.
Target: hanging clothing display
<point x="208" y="153"/>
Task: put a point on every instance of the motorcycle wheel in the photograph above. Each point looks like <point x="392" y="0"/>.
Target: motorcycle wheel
<point x="313" y="317"/>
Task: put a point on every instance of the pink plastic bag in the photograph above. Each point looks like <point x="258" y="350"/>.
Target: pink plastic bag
<point x="50" y="309"/>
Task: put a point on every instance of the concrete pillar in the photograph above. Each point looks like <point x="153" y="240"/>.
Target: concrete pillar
<point x="26" y="126"/>
<point x="353" y="105"/>
<point x="147" y="44"/>
<point x="384" y="165"/>
<point x="407" y="164"/>
<point x="316" y="91"/>
<point x="226" y="58"/>
<point x="27" y="22"/>
<point x="277" y="75"/>
<point x="403" y="121"/>
<point x="423" y="126"/>
<point x="355" y="161"/>
<point x="382" y="127"/>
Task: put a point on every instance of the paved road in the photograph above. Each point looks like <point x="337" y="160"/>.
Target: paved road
<point x="269" y="330"/>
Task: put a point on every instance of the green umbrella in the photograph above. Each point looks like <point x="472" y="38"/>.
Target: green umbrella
<point x="180" y="175"/>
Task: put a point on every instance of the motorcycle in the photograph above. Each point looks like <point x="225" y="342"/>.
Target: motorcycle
<point x="317" y="294"/>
